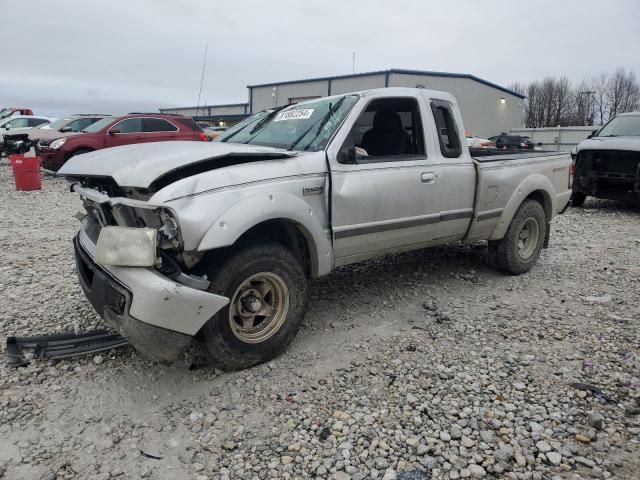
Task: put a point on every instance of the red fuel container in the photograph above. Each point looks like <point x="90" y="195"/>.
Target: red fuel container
<point x="26" y="172"/>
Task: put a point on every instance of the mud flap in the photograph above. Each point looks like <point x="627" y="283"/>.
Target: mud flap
<point x="547" y="236"/>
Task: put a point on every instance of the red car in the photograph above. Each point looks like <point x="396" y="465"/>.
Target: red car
<point x="115" y="131"/>
<point x="10" y="111"/>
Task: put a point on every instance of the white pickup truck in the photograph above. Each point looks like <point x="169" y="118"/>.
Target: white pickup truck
<point x="217" y="244"/>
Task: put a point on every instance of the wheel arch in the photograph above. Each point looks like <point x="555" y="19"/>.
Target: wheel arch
<point x="536" y="187"/>
<point x="77" y="149"/>
<point x="281" y="217"/>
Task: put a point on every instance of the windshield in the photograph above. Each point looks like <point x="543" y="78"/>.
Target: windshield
<point x="99" y="125"/>
<point x="232" y="131"/>
<point x="623" y="126"/>
<point x="59" y="123"/>
<point x="305" y="126"/>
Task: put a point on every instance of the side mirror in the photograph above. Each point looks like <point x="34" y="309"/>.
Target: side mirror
<point x="65" y="129"/>
<point x="7" y="127"/>
<point x="347" y="155"/>
<point x="113" y="131"/>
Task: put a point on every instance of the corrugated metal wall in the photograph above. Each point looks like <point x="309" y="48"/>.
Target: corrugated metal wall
<point x="353" y="84"/>
<point x="227" y="109"/>
<point x="276" y="95"/>
<point x="208" y="110"/>
<point x="483" y="113"/>
<point x="555" y="139"/>
<point x="189" y="112"/>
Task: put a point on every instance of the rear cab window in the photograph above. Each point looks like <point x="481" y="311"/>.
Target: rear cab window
<point x="447" y="129"/>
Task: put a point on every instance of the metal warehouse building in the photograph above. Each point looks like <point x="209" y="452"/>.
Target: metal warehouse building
<point x="487" y="108"/>
<point x="218" y="115"/>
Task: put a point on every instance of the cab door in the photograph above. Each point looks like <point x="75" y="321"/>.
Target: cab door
<point x="382" y="180"/>
<point x="456" y="183"/>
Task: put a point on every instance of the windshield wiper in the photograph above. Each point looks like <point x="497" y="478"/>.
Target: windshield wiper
<point x="266" y="120"/>
<point x="258" y="126"/>
<point x="613" y="135"/>
<point x="322" y="121"/>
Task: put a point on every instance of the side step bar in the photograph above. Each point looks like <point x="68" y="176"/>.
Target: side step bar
<point x="62" y="345"/>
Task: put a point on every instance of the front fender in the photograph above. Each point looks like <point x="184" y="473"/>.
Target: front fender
<point x="235" y="221"/>
<point x="533" y="183"/>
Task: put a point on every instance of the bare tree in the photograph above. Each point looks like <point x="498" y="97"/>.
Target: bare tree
<point x="600" y="86"/>
<point x="623" y="92"/>
<point x="554" y="101"/>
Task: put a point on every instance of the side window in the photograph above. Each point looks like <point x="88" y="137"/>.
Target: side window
<point x="34" y="122"/>
<point x="390" y="129"/>
<point x="157" y="125"/>
<point x="80" y="124"/>
<point x="19" y="123"/>
<point x="447" y="130"/>
<point x="130" y="125"/>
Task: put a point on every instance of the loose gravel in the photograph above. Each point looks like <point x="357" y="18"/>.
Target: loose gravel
<point x="416" y="366"/>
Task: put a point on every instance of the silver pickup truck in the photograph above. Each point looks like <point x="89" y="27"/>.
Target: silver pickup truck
<point x="215" y="244"/>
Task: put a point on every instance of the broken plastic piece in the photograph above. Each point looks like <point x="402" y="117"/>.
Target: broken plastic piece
<point x="62" y="345"/>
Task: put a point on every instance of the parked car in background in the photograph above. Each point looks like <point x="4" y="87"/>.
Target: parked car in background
<point x="20" y="123"/>
<point x="214" y="132"/>
<point x="13" y="111"/>
<point x="477" y="142"/>
<point x="607" y="164"/>
<point x="22" y="141"/>
<point x="114" y="131"/>
<point x="506" y="141"/>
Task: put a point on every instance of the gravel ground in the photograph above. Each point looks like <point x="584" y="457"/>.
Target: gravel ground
<point x="424" y="365"/>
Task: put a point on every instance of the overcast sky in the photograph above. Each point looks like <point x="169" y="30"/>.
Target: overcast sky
<point x="117" y="56"/>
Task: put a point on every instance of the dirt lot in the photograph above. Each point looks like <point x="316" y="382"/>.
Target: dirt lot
<point x="425" y="365"/>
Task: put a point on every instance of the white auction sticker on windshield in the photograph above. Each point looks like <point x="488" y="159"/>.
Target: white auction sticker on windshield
<point x="296" y="114"/>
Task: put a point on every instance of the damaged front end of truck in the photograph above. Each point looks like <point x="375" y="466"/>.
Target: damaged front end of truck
<point x="134" y="259"/>
<point x="608" y="174"/>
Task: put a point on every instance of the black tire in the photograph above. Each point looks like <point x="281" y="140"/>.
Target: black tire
<point x="577" y="199"/>
<point x="508" y="254"/>
<point x="219" y="340"/>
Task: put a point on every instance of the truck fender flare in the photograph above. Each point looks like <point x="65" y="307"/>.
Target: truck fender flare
<point x="533" y="183"/>
<point x="237" y="220"/>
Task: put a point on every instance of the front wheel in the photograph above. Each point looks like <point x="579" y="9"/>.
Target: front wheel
<point x="267" y="289"/>
<point x="520" y="248"/>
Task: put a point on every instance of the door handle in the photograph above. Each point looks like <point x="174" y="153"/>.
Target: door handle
<point x="428" y="177"/>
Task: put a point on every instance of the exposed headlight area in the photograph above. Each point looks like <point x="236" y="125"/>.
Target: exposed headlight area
<point x="132" y="236"/>
<point x="127" y="246"/>
<point x="56" y="144"/>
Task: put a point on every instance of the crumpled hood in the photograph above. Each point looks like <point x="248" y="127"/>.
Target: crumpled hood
<point x="139" y="165"/>
<point x="610" y="143"/>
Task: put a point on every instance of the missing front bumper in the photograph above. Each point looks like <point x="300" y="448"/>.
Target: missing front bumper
<point x="157" y="316"/>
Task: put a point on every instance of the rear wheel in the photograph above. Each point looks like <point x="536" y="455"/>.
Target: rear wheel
<point x="267" y="289"/>
<point x="577" y="199"/>
<point x="520" y="248"/>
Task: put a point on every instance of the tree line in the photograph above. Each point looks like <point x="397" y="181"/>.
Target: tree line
<point x="556" y="101"/>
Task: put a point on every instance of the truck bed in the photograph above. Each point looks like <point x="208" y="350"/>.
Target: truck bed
<point x="501" y="178"/>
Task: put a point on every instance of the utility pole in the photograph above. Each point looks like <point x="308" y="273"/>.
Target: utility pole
<point x="204" y="65"/>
